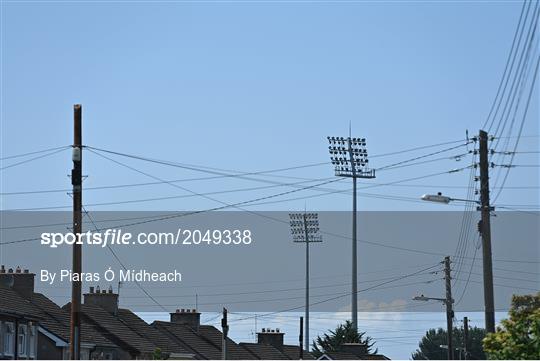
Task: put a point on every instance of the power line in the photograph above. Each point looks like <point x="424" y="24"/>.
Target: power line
<point x="510" y="61"/>
<point x="115" y="186"/>
<point x="123" y="266"/>
<point x="501" y="285"/>
<point x="34" y="158"/>
<point x="35" y="152"/>
<point x="341" y="296"/>
<point x="394" y="165"/>
<point x="505" y="67"/>
<point x="243" y="293"/>
<point x="520" y="128"/>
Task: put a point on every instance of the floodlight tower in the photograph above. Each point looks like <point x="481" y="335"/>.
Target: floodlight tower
<point x="305" y="229"/>
<point x="350" y="159"/>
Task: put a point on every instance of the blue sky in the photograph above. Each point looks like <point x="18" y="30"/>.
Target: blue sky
<point x="252" y="86"/>
<point x="249" y="86"/>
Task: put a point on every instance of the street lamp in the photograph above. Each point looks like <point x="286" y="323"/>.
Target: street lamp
<point x="484" y="227"/>
<point x="448" y="301"/>
<point x="305" y="229"/>
<point x="350" y="159"/>
<point x="449" y="316"/>
<point x="439" y="198"/>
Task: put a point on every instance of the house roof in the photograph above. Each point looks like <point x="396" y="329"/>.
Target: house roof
<point x="190" y="339"/>
<point x="342" y="355"/>
<point x="265" y="352"/>
<point x="234" y="351"/>
<point x="116" y="330"/>
<point x="293" y="352"/>
<point x="50" y="316"/>
<point x="57" y="321"/>
<point x="161" y="340"/>
<point x="13" y="303"/>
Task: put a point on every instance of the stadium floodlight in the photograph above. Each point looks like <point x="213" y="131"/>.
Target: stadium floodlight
<point x="349" y="157"/>
<point x="305" y="229"/>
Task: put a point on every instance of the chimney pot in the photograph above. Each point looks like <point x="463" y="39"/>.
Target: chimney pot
<point x="26" y="271"/>
<point x="186" y="317"/>
<point x="270" y="336"/>
<point x="22" y="283"/>
<point x="102" y="298"/>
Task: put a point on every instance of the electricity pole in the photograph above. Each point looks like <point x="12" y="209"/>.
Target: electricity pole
<point x="448" y="301"/>
<point x="305" y="229"/>
<point x="349" y="157"/>
<point x="76" y="181"/>
<point x="449" y="309"/>
<point x="301" y="337"/>
<point x="485" y="229"/>
<point x="225" y="329"/>
<point x="465" y="337"/>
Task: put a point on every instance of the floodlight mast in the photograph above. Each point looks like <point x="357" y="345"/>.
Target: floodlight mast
<point x="350" y="159"/>
<point x="305" y="229"/>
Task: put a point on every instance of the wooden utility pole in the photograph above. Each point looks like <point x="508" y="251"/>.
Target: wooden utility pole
<point x="76" y="181"/>
<point x="301" y="338"/>
<point x="485" y="229"/>
<point x="449" y="309"/>
<point x="225" y="329"/>
<point x="465" y="338"/>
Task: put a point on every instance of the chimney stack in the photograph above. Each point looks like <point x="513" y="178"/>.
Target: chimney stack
<point x="188" y="317"/>
<point x="20" y="281"/>
<point x="101" y="298"/>
<point x="271" y="337"/>
<point x="357" y="349"/>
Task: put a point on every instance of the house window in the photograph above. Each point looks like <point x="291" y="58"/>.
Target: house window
<point x="33" y="340"/>
<point x="9" y="336"/>
<point x="21" y="342"/>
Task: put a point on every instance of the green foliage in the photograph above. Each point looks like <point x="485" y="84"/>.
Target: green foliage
<point x="157" y="355"/>
<point x="519" y="336"/>
<point x="429" y="347"/>
<point x="344" y="333"/>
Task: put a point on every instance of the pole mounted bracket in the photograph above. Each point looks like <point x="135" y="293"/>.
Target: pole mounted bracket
<point x="491" y="208"/>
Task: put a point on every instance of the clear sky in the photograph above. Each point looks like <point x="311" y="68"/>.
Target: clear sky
<point x="252" y="86"/>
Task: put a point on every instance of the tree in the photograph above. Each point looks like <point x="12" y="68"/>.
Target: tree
<point x="157" y="355"/>
<point x="519" y="336"/>
<point x="430" y="348"/>
<point x="344" y="333"/>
